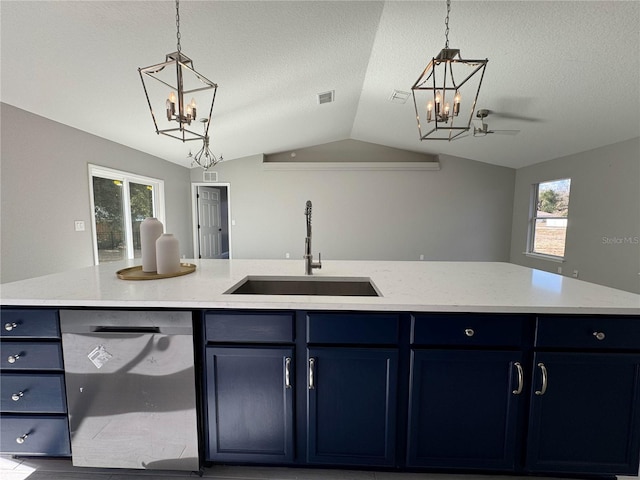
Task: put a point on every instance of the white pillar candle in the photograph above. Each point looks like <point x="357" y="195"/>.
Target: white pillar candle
<point x="167" y="254"/>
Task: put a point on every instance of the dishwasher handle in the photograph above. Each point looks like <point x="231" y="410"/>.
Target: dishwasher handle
<point x="123" y="329"/>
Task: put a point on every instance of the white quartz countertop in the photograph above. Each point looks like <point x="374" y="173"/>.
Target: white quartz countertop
<point x="409" y="286"/>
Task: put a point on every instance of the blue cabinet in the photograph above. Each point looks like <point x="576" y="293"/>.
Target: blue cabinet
<point x="584" y="415"/>
<point x="463" y="409"/>
<point x="352" y="406"/>
<point x="249" y="395"/>
<point x="33" y="406"/>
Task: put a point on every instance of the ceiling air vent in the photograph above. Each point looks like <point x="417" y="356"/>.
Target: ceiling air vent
<point x="326" y="97"/>
<point x="210" y="176"/>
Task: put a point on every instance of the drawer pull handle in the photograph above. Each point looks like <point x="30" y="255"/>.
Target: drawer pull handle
<point x="469" y="332"/>
<point x="312" y="373"/>
<point x="545" y="379"/>
<point x="599" y="335"/>
<point x="518" y="391"/>
<point x="10" y="326"/>
<point x="287" y="372"/>
<point x="22" y="438"/>
<point x="17" y="396"/>
<point x="13" y="358"/>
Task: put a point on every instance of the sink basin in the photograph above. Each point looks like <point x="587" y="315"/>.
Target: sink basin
<point x="305" y="285"/>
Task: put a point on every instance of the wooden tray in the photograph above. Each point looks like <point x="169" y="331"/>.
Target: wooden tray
<point x="136" y="273"/>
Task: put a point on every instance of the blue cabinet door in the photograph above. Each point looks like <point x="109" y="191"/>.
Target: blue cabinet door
<point x="463" y="408"/>
<point x="250" y="404"/>
<point x="352" y="406"/>
<point x="584" y="414"/>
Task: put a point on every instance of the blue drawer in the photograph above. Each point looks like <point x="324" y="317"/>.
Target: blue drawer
<point x="32" y="393"/>
<point x="45" y="435"/>
<point x="479" y="330"/>
<point x="30" y="356"/>
<point x="25" y="323"/>
<point x="353" y="328"/>
<point x="253" y="327"/>
<point x="588" y="332"/>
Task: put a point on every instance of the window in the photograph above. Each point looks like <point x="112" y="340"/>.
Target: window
<point x="548" y="225"/>
<point x="120" y="201"/>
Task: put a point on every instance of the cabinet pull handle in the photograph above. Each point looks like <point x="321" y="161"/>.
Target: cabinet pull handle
<point x="22" y="438"/>
<point x="13" y="358"/>
<point x="518" y="390"/>
<point x="17" y="396"/>
<point x="287" y="372"/>
<point x="599" y="335"/>
<point x="10" y="326"/>
<point x="312" y="373"/>
<point x="469" y="332"/>
<point x="543" y="369"/>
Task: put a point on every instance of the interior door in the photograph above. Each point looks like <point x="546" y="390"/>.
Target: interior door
<point x="209" y="221"/>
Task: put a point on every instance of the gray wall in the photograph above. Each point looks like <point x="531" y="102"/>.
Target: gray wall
<point x="45" y="187"/>
<point x="462" y="212"/>
<point x="603" y="232"/>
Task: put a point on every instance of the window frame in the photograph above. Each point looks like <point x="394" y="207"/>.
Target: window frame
<point x="533" y="218"/>
<point x="126" y="178"/>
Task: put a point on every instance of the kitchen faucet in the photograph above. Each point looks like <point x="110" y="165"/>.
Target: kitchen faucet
<point x="309" y="264"/>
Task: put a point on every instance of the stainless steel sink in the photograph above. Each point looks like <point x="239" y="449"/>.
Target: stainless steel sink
<point x="324" y="286"/>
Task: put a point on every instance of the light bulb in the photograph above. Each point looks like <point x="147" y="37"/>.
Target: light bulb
<point x="456" y="103"/>
<point x="193" y="107"/>
<point x="438" y="102"/>
<point x="171" y="105"/>
<point x="429" y="111"/>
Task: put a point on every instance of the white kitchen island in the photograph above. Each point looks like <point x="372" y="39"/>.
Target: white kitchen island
<point x="405" y="286"/>
<point x="456" y="366"/>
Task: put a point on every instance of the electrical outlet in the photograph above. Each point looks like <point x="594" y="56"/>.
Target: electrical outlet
<point x="286" y="255"/>
<point x="79" y="224"/>
<point x="575" y="274"/>
<point x="560" y="270"/>
<point x="421" y="257"/>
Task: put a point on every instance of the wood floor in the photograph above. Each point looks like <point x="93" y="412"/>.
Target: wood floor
<point x="59" y="469"/>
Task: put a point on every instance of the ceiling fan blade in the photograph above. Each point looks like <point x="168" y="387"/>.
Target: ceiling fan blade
<point x="505" y="132"/>
<point x="513" y="116"/>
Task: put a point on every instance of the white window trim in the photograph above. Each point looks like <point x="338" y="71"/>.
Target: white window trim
<point x="533" y="210"/>
<point x="125" y="178"/>
<point x="542" y="256"/>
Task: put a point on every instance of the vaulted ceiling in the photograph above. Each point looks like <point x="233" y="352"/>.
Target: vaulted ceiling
<point x="564" y="74"/>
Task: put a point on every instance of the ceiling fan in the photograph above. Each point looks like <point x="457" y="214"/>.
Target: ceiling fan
<point x="481" y="129"/>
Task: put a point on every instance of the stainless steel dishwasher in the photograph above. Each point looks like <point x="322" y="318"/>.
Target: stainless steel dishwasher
<point x="130" y="388"/>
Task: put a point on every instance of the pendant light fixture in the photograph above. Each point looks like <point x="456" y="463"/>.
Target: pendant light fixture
<point x="446" y="92"/>
<point x="176" y="89"/>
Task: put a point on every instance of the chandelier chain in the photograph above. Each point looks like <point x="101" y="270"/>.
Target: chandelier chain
<point x="178" y="23"/>
<point x="446" y="24"/>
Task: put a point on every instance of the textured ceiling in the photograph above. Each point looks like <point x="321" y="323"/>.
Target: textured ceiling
<point x="565" y="74"/>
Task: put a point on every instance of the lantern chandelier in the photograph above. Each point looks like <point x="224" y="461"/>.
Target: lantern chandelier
<point x="180" y="91"/>
<point x="446" y="93"/>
